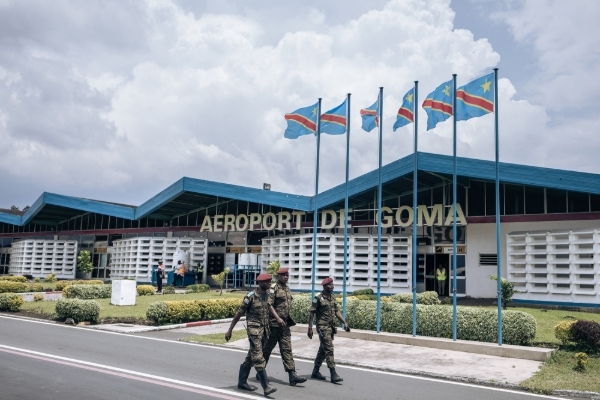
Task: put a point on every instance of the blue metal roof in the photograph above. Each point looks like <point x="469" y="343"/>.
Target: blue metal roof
<point x="434" y="163"/>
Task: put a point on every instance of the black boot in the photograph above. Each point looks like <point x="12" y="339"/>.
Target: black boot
<point x="294" y="379"/>
<point x="335" y="378"/>
<point x="264" y="382"/>
<point x="243" y="377"/>
<point x="258" y="378"/>
<point x="316" y="374"/>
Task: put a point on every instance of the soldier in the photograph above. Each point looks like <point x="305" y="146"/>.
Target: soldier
<point x="282" y="302"/>
<point x="257" y="305"/>
<point x="325" y="307"/>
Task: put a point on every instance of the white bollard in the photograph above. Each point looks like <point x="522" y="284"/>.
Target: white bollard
<point x="123" y="293"/>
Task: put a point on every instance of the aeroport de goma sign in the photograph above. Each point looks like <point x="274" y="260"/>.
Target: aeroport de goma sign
<point x="402" y="216"/>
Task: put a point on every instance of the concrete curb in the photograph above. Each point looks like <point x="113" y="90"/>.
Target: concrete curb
<point x="178" y="326"/>
<point x="465" y="346"/>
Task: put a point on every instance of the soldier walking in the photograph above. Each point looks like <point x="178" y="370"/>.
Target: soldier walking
<point x="326" y="310"/>
<point x="282" y="303"/>
<point x="257" y="305"/>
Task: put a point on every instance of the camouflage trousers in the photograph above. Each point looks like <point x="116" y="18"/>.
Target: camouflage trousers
<point x="255" y="357"/>
<point x="282" y="336"/>
<point x="326" y="348"/>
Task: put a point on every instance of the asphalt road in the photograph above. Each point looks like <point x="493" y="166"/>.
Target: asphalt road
<point x="54" y="361"/>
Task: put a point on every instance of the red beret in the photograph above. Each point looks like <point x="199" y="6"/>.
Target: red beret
<point x="327" y="281"/>
<point x="282" y="271"/>
<point x="264" y="277"/>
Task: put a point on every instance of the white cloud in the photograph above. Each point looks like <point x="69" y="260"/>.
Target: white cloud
<point x="204" y="96"/>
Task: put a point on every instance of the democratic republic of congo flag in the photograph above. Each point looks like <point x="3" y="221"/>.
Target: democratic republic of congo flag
<point x="303" y="121"/>
<point x="438" y="104"/>
<point x="333" y="121"/>
<point x="406" y="111"/>
<point x="370" y="118"/>
<point x="475" y="99"/>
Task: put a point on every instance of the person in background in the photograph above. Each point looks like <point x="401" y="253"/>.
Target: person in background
<point x="160" y="274"/>
<point x="441" y="279"/>
<point x="179" y="273"/>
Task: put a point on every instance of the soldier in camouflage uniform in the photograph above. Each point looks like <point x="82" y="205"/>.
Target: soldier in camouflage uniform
<point x="257" y="305"/>
<point x="282" y="303"/>
<point x="325" y="308"/>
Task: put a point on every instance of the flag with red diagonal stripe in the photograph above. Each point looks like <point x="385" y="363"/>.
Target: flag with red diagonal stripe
<point x="475" y="99"/>
<point x="438" y="104"/>
<point x="370" y="116"/>
<point x="303" y="121"/>
<point x="333" y="121"/>
<point x="406" y="111"/>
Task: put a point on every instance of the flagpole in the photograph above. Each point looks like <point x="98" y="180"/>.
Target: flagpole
<point x="316" y="214"/>
<point x="346" y="203"/>
<point x="454" y="207"/>
<point x="498" y="244"/>
<point x="379" y="191"/>
<point x="415" y="186"/>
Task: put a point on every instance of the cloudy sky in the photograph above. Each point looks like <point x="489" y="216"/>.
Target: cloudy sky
<point x="116" y="100"/>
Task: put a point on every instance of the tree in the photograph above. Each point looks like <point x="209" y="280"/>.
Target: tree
<point x="26" y="208"/>
<point x="272" y="269"/>
<point x="507" y="290"/>
<point x="220" y="279"/>
<point x="14" y="208"/>
<point x="84" y="262"/>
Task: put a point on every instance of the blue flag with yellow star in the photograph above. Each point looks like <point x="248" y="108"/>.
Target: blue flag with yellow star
<point x="333" y="121"/>
<point x="406" y="111"/>
<point x="303" y="121"/>
<point x="475" y="99"/>
<point x="438" y="104"/>
<point x="370" y="118"/>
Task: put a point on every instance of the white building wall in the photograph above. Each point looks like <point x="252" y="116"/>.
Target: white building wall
<point x="295" y="252"/>
<point x="481" y="238"/>
<point x="41" y="257"/>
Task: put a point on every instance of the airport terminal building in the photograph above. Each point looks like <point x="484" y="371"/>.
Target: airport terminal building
<point x="550" y="231"/>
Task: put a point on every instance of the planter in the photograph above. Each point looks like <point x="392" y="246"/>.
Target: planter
<point x="83" y="275"/>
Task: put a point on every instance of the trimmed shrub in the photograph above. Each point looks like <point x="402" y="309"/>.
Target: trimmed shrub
<point x="87" y="291"/>
<point x="13" y="278"/>
<point x="50" y="278"/>
<point x="10" y="302"/>
<point x="476" y="324"/>
<point x="425" y="298"/>
<point x="168" y="290"/>
<point x="586" y="334"/>
<point x="35" y="287"/>
<point x="145" y="290"/>
<point x="60" y="285"/>
<point x="37" y="280"/>
<point x="165" y="312"/>
<point x="361" y="292"/>
<point x="581" y="359"/>
<point x="199" y="288"/>
<point x="38" y="297"/>
<point x="13" y="287"/>
<point x="79" y="310"/>
<point x="562" y="331"/>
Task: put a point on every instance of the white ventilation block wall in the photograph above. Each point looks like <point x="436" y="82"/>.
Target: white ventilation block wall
<point x="295" y="252"/>
<point x="41" y="257"/>
<point x="555" y="266"/>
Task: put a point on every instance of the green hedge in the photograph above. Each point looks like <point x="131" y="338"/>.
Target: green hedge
<point x="50" y="278"/>
<point x="145" y="290"/>
<point x="13" y="278"/>
<point x="60" y="285"/>
<point x="168" y="290"/>
<point x="172" y="312"/>
<point x="79" y="310"/>
<point x="87" y="291"/>
<point x="473" y="323"/>
<point x="10" y="302"/>
<point x="361" y="292"/>
<point x="426" y="298"/>
<point x="35" y="287"/>
<point x="13" y="287"/>
<point x="199" y="288"/>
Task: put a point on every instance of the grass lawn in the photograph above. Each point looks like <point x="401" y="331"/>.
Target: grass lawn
<point x="138" y="311"/>
<point x="559" y="374"/>
<point x="216" y="338"/>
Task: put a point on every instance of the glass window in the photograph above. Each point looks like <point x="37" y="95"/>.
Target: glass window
<point x="424" y="198"/>
<point x="438" y="195"/>
<point x="595" y="200"/>
<point x="534" y="200"/>
<point x="514" y="199"/>
<point x="476" y="198"/>
<point x="578" y="202"/>
<point x="556" y="201"/>
<point x="490" y="198"/>
<point x="406" y="200"/>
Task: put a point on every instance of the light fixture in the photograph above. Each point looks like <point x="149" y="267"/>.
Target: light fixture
<point x="266" y="186"/>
